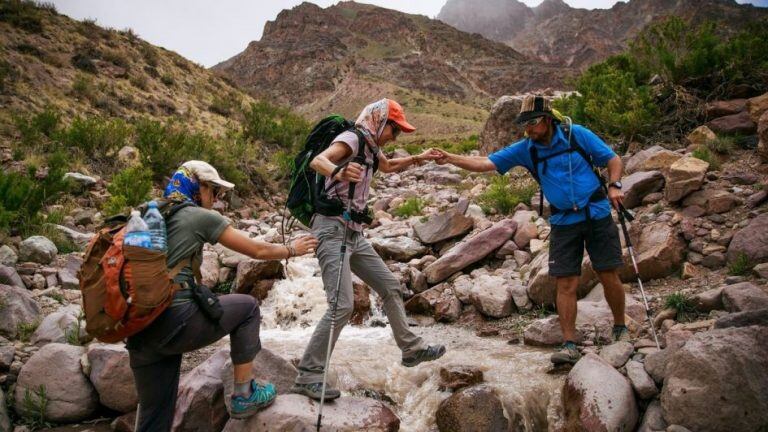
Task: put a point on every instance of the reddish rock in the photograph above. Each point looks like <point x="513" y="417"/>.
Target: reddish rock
<point x="723" y="108"/>
<point x="639" y="184"/>
<point x="751" y="241"/>
<point x="443" y="226"/>
<point x="472" y="409"/>
<point x="457" y="377"/>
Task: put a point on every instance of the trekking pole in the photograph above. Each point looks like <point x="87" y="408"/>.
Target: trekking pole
<point x="136" y="423"/>
<point x="625" y="214"/>
<point x="347" y="218"/>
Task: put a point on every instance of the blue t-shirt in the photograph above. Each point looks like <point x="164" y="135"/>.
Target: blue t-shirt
<point x="564" y="187"/>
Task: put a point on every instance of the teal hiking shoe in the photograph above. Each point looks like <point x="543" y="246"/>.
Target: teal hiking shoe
<point x="261" y="397"/>
<point x="568" y="354"/>
<point x="620" y="333"/>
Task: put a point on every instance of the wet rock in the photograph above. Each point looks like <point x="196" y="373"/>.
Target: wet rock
<point x="361" y="301"/>
<point x="59" y="327"/>
<point x="443" y="226"/>
<point x="18" y="308"/>
<point x="457" y="377"/>
<point x="251" y="271"/>
<point x="472" y="409"/>
<point x="726" y="368"/>
<point x="744" y="296"/>
<point x="740" y="123"/>
<point x="210" y="269"/>
<point x="200" y="403"/>
<point x="71" y="396"/>
<point x="470" y="251"/>
<point x="653" y="420"/>
<point x="8" y="256"/>
<point x="491" y="297"/>
<point x="684" y="176"/>
<point x="639" y="184"/>
<point x="112" y="377"/>
<point x="751" y="241"/>
<point x="267" y="366"/>
<point x="398" y="248"/>
<point x="292" y="412"/>
<point x="616" y="354"/>
<point x="9" y="276"/>
<point x="640" y="380"/>
<point x="37" y="249"/>
<point x="500" y="128"/>
<point x="597" y="397"/>
<point x="659" y="251"/>
<point x="655" y="158"/>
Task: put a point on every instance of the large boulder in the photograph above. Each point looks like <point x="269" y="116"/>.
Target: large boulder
<point x="9" y="276"/>
<point x="470" y="251"/>
<point x="596" y="397"/>
<point x="744" y="296"/>
<point x="200" y="402"/>
<point x="740" y="123"/>
<point x="655" y="158"/>
<point x="684" y="176"/>
<point x="743" y="319"/>
<point x="8" y="256"/>
<point x="721" y="108"/>
<point x="443" y="226"/>
<point x="701" y="136"/>
<point x="639" y="184"/>
<point x="659" y="251"/>
<point x="500" y="129"/>
<point x="472" y="409"/>
<point x="641" y="381"/>
<point x="252" y="271"/>
<point x="712" y="200"/>
<point x="757" y="106"/>
<point x="751" y="241"/>
<point x="491" y="297"/>
<point x="401" y="249"/>
<point x="725" y="368"/>
<point x="266" y="366"/>
<point x="5" y="420"/>
<point x="294" y="413"/>
<point x="55" y="372"/>
<point x="37" y="249"/>
<point x="60" y="327"/>
<point x="17" y="307"/>
<point x="112" y="377"/>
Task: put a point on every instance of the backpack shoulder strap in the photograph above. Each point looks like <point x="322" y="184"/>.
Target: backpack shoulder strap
<point x="535" y="162"/>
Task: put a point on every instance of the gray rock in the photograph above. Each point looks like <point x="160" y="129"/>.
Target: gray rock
<point x="18" y="307"/>
<point x="81" y="179"/>
<point x="639" y="184"/>
<point x="655" y="158"/>
<point x="616" y="354"/>
<point x="726" y="368"/>
<point x="653" y="420"/>
<point x="443" y="226"/>
<point x="491" y="297"/>
<point x="7" y="352"/>
<point x="520" y="295"/>
<point x="641" y="381"/>
<point x="68" y="279"/>
<point x="5" y="420"/>
<point x="251" y="271"/>
<point x="400" y="249"/>
<point x="744" y="296"/>
<point x="200" y="403"/>
<point x="292" y="413"/>
<point x="56" y="367"/>
<point x="659" y="250"/>
<point x="597" y="397"/>
<point x="267" y="366"/>
<point x="37" y="249"/>
<point x="677" y="428"/>
<point x="9" y="276"/>
<point x="76" y="237"/>
<point x="744" y="319"/>
<point x="112" y="377"/>
<point x="709" y="300"/>
<point x="8" y="256"/>
<point x="472" y="409"/>
<point x="57" y="327"/>
<point x="210" y="268"/>
<point x="751" y="241"/>
<point x="500" y="128"/>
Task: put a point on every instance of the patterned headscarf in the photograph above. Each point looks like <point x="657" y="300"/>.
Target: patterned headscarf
<point x="372" y="120"/>
<point x="183" y="187"/>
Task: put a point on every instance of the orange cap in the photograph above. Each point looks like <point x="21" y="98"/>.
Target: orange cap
<point x="397" y="115"/>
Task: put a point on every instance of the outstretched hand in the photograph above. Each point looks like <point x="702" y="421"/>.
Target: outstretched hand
<point x="304" y="245"/>
<point x="442" y="156"/>
<point x="430" y="154"/>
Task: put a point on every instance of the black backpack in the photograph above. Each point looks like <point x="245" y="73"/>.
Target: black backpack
<point x="573" y="146"/>
<point x="308" y="194"/>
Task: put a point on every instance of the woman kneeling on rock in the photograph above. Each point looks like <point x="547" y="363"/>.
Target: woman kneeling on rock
<point x="155" y="352"/>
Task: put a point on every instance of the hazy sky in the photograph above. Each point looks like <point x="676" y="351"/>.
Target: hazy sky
<point x="208" y="31"/>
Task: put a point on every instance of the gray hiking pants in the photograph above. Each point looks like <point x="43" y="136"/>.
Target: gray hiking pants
<point x="368" y="266"/>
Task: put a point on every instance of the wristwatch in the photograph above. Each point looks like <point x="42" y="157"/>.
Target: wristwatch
<point x="616" y="184"/>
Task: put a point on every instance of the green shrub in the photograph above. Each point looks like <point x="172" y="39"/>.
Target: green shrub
<point x="410" y="207"/>
<point x="6" y="73"/>
<point x="83" y="87"/>
<point x="285" y="163"/>
<point x="129" y="188"/>
<point x="168" y="80"/>
<point x="741" y="266"/>
<point x="95" y="137"/>
<point x="722" y="144"/>
<point x="706" y="155"/>
<point x="225" y="105"/>
<point x="34" y="405"/>
<point x="275" y="125"/>
<point x="35" y="129"/>
<point x="503" y="194"/>
<point x="683" y="303"/>
<point x="25" y="330"/>
<point x="150" y="55"/>
<point x="23" y="14"/>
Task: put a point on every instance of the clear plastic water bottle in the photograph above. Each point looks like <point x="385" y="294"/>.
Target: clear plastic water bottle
<point x="156" y="225"/>
<point x="137" y="232"/>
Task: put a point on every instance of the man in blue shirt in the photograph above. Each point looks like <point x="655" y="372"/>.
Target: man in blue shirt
<point x="581" y="210"/>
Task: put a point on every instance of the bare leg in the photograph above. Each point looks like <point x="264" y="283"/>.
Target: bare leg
<point x="243" y="373"/>
<point x="566" y="305"/>
<point x="614" y="294"/>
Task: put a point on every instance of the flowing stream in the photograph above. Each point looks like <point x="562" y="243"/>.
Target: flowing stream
<point x="367" y="358"/>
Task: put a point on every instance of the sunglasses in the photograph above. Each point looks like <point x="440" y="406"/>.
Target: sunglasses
<point x="533" y="122"/>
<point x="395" y="129"/>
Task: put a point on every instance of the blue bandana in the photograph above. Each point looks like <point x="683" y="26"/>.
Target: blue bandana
<point x="183" y="187"/>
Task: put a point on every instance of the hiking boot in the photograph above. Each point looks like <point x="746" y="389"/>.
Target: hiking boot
<point x="621" y="334"/>
<point x="567" y="354"/>
<point x="315" y="391"/>
<point x="261" y="397"/>
<point x="432" y="352"/>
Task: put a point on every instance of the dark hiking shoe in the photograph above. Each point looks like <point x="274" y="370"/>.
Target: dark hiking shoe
<point x="315" y="391"/>
<point x="432" y="352"/>
<point x="567" y="354"/>
<point x="261" y="397"/>
<point x="621" y="334"/>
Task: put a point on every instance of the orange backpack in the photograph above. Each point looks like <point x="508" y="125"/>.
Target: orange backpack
<point x="125" y="288"/>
